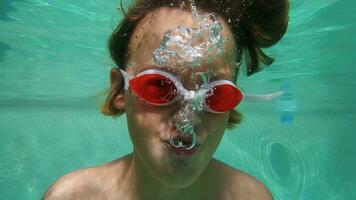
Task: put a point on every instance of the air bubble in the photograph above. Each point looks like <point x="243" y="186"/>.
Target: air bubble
<point x="188" y="47"/>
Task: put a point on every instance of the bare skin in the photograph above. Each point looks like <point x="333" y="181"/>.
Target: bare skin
<point x="152" y="171"/>
<point x="218" y="182"/>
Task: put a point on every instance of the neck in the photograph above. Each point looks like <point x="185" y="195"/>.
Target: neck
<point x="140" y="184"/>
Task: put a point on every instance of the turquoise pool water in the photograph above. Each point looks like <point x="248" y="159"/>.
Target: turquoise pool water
<point x="53" y="61"/>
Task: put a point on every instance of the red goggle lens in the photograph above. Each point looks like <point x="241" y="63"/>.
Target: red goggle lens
<point x="154" y="88"/>
<point x="223" y="98"/>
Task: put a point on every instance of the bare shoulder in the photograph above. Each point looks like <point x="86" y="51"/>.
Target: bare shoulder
<point x="240" y="185"/>
<point x="67" y="186"/>
<point x="84" y="183"/>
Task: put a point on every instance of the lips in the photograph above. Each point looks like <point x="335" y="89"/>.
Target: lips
<point x="181" y="151"/>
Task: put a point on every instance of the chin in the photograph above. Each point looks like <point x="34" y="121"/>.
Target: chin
<point x="175" y="171"/>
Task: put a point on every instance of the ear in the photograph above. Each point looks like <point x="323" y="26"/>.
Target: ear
<point x="116" y="84"/>
<point x="119" y="102"/>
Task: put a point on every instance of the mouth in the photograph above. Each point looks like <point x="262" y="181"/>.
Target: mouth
<point x="183" y="149"/>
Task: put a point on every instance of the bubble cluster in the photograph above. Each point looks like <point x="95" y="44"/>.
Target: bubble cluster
<point x="185" y="120"/>
<point x="187" y="47"/>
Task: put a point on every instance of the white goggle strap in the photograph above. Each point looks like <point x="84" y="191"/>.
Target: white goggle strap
<point x="254" y="98"/>
<point x="126" y="79"/>
<point x="251" y="97"/>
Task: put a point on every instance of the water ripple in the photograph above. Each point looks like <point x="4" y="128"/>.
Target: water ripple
<point x="281" y="163"/>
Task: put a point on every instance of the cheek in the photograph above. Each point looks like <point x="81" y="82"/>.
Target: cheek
<point x="143" y="124"/>
<point x="215" y="122"/>
<point x="212" y="130"/>
<point x="214" y="125"/>
<point x="143" y="118"/>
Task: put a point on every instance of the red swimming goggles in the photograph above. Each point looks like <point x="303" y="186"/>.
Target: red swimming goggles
<point x="160" y="88"/>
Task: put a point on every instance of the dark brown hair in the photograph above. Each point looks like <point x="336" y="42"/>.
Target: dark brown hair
<point x="255" y="24"/>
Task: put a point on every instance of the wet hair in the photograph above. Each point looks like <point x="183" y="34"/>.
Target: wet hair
<point x="255" y="24"/>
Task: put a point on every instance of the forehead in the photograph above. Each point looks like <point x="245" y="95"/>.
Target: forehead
<point x="149" y="32"/>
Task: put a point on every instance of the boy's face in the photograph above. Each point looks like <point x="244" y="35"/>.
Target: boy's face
<point x="150" y="126"/>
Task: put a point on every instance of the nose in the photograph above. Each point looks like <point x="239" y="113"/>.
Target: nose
<point x="192" y="85"/>
<point x="186" y="119"/>
<point x="193" y="100"/>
